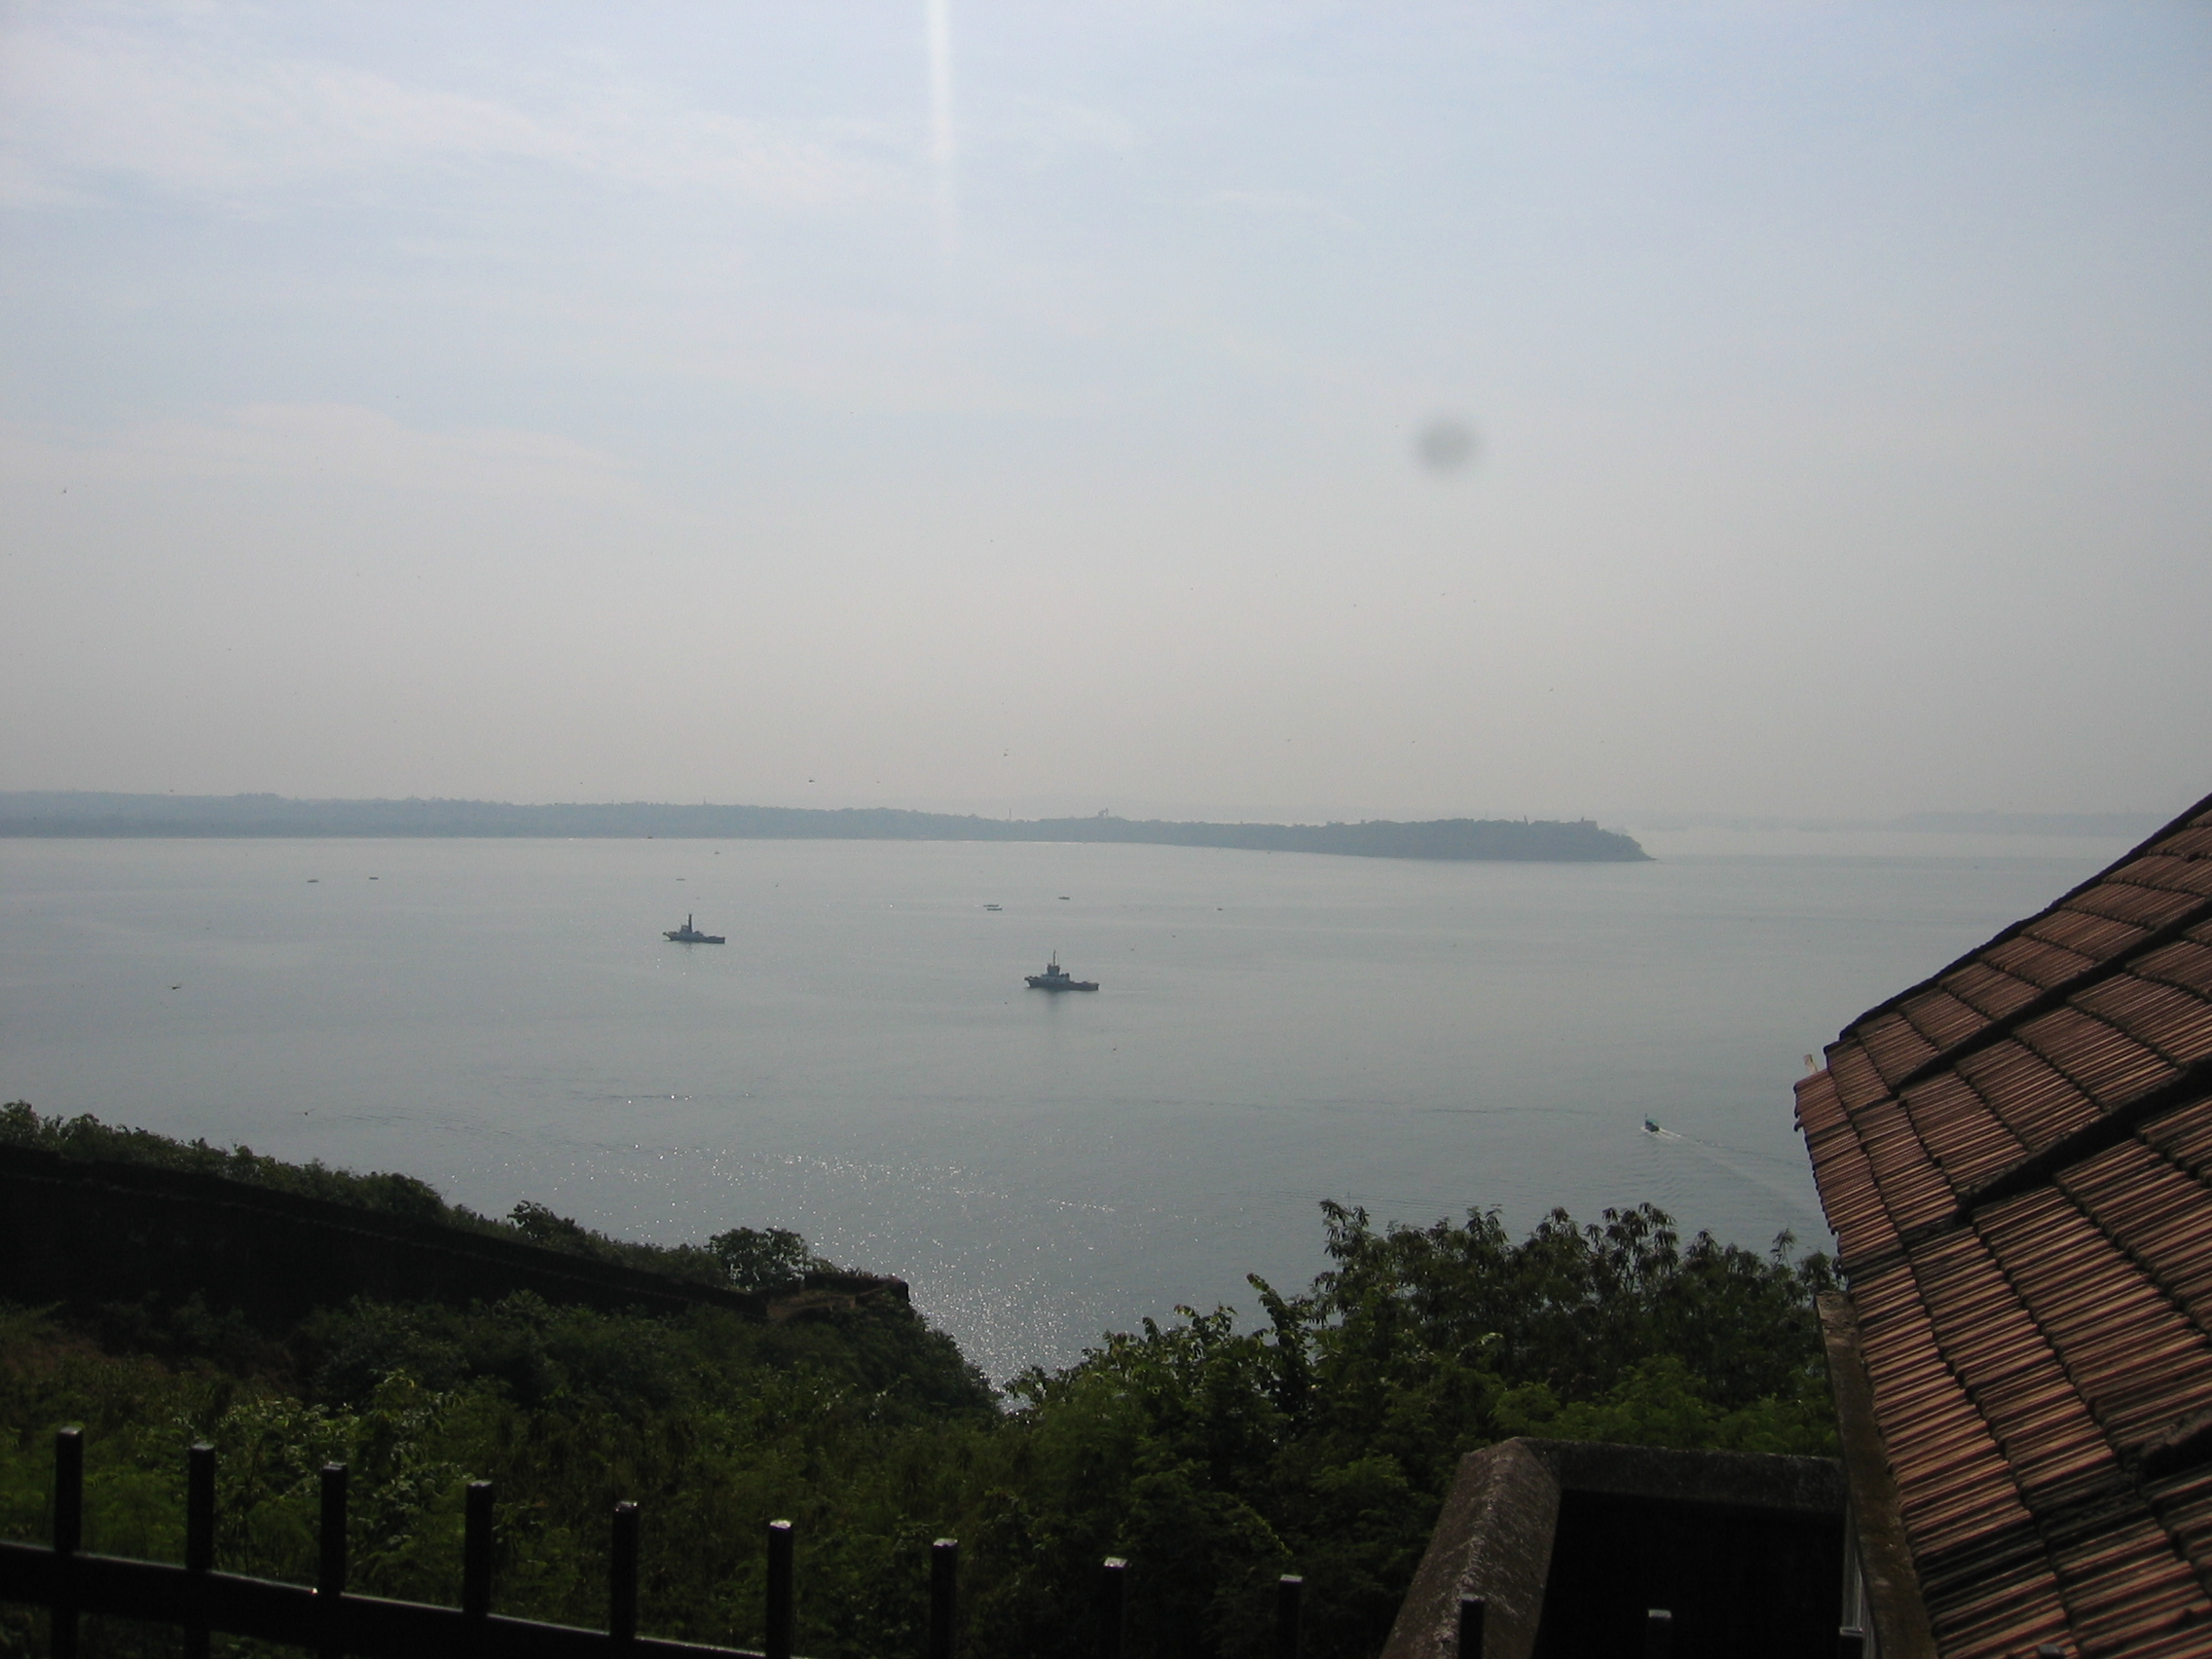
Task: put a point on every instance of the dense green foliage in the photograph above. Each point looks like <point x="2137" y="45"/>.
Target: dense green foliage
<point x="1214" y="1453"/>
<point x="711" y="1422"/>
<point x="86" y="1137"/>
<point x="1323" y="1442"/>
<point x="741" y="1259"/>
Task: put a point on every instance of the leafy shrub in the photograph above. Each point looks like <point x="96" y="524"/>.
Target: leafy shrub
<point x="1215" y="1452"/>
<point x="763" y="1259"/>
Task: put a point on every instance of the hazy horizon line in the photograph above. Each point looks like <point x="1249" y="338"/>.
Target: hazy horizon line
<point x="1980" y="820"/>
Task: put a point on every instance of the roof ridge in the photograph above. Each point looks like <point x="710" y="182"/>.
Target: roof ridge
<point x="2186" y="820"/>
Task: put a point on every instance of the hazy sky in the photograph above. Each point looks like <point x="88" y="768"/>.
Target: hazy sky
<point x="676" y="401"/>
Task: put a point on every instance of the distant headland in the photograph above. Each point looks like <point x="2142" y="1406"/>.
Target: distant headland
<point x="66" y="813"/>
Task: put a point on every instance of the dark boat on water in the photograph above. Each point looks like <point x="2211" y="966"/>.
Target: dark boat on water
<point x="689" y="935"/>
<point x="1054" y="977"/>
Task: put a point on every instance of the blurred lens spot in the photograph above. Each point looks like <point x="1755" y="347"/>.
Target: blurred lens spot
<point x="1445" y="444"/>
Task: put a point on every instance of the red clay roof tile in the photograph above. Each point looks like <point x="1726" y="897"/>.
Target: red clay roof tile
<point x="2101" y="1060"/>
<point x="2185" y="963"/>
<point x="2032" y="1099"/>
<point x="2188" y="843"/>
<point x="2163" y="1017"/>
<point x="2040" y="962"/>
<point x="2029" y="1352"/>
<point x="1989" y="989"/>
<point x="2154" y="1212"/>
<point x="2186" y="1137"/>
<point x="2166" y="871"/>
<point x="1963" y="1135"/>
<point x="1941" y="1019"/>
<point x="1896" y="1048"/>
<point x="2097" y="938"/>
<point x="1856" y="1079"/>
<point x="2147" y="906"/>
<point x="2184" y="1506"/>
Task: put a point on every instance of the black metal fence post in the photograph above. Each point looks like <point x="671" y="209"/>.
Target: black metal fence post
<point x="1658" y="1633"/>
<point x="328" y="1619"/>
<point x="1472" y="1612"/>
<point x="330" y="1569"/>
<point x="477" y="1552"/>
<point x="622" y="1575"/>
<point x="198" y="1534"/>
<point x="781" y="1608"/>
<point x="68" y="1531"/>
<point x="1290" y="1589"/>
<point x="944" y="1590"/>
<point x="1112" y="1582"/>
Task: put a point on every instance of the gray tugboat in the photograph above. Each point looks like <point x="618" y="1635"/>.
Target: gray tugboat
<point x="689" y="935"/>
<point x="1054" y="977"/>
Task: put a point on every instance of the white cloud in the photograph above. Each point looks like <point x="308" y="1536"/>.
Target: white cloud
<point x="97" y="105"/>
<point x="321" y="442"/>
<point x="1285" y="204"/>
<point x="1044" y="133"/>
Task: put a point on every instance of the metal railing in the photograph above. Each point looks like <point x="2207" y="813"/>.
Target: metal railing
<point x="72" y="1583"/>
<point x="334" y="1621"/>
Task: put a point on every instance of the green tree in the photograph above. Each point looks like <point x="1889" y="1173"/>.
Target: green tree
<point x="1215" y="1452"/>
<point x="763" y="1258"/>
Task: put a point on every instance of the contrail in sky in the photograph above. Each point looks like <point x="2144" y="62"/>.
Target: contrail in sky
<point x="939" y="23"/>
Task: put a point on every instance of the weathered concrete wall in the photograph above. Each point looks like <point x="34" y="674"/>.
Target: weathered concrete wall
<point x="1492" y="1539"/>
<point x="84" y="1232"/>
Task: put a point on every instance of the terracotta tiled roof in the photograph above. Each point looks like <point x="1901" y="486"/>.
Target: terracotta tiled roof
<point x="2017" y="1159"/>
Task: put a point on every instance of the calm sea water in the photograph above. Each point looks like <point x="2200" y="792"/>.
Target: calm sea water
<point x="862" y="1063"/>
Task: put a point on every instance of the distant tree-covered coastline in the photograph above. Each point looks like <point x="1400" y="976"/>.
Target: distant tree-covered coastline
<point x="66" y="813"/>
